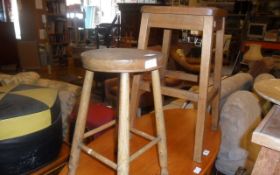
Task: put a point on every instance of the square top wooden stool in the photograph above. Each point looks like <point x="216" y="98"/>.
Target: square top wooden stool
<point x="207" y="20"/>
<point x="123" y="61"/>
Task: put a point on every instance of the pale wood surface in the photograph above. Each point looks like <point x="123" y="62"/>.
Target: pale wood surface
<point x="196" y="11"/>
<point x="180" y="128"/>
<point x="203" y="85"/>
<point x="187" y="18"/>
<point x="269" y="89"/>
<point x="181" y="75"/>
<point x="136" y="82"/>
<point x="135" y="98"/>
<point x="172" y="21"/>
<point x="160" y="125"/>
<point x="268" y="132"/>
<point x="268" y="162"/>
<point x="121" y="60"/>
<point x="166" y="46"/>
<point x="80" y="123"/>
<point x="123" y="127"/>
<point x="218" y="73"/>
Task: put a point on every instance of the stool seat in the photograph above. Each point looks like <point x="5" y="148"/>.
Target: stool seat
<point x="121" y="60"/>
<point x="124" y="62"/>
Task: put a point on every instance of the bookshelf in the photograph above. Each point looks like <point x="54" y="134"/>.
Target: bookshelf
<point x="57" y="31"/>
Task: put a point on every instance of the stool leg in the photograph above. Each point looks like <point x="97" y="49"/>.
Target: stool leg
<point x="160" y="125"/>
<point x="218" y="74"/>
<point x="123" y="139"/>
<point x="135" y="98"/>
<point x="203" y="86"/>
<point x="80" y="123"/>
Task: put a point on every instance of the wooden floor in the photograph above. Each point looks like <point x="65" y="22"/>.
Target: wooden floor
<point x="180" y="138"/>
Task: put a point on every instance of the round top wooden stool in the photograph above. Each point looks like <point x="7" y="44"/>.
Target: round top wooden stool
<point x="123" y="61"/>
<point x="180" y="127"/>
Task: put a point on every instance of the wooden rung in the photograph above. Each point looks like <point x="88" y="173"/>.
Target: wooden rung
<point x="98" y="156"/>
<point x="172" y="21"/>
<point x="213" y="92"/>
<point x="181" y="75"/>
<point x="179" y="93"/>
<point x="144" y="148"/>
<point x="99" y="129"/>
<point x="142" y="134"/>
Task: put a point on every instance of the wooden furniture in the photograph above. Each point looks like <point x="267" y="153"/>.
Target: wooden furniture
<point x="180" y="140"/>
<point x="32" y="36"/>
<point x="26" y="51"/>
<point x="123" y="61"/>
<point x="269" y="89"/>
<point x="209" y="20"/>
<point x="108" y="31"/>
<point x="264" y="44"/>
<point x="57" y="31"/>
<point x="267" y="135"/>
<point x="130" y="22"/>
<point x="8" y="45"/>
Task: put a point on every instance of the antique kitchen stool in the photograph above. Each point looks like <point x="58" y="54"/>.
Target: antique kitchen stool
<point x="124" y="62"/>
<point x="207" y="20"/>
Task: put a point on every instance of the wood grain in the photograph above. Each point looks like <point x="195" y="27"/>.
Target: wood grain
<point x="268" y="162"/>
<point x="195" y="11"/>
<point x="194" y="18"/>
<point x="218" y="73"/>
<point x="269" y="89"/>
<point x="180" y="128"/>
<point x="120" y="60"/>
<point x="203" y="85"/>
<point x="268" y="132"/>
<point x="80" y="123"/>
<point x="123" y="127"/>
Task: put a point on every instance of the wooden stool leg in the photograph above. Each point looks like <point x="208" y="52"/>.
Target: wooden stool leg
<point x="203" y="86"/>
<point x="123" y="139"/>
<point x="80" y="123"/>
<point x="218" y="74"/>
<point x="142" y="44"/>
<point x="160" y="124"/>
<point x="135" y="98"/>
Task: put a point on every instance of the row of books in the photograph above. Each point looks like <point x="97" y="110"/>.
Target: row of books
<point x="57" y="27"/>
<point x="59" y="39"/>
<point x="56" y="7"/>
<point x="58" y="52"/>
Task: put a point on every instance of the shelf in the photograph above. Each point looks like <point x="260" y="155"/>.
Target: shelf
<point x="59" y="43"/>
<point x="236" y="15"/>
<point x="56" y="33"/>
<point x="56" y="15"/>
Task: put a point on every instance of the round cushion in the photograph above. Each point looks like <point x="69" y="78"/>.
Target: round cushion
<point x="30" y="128"/>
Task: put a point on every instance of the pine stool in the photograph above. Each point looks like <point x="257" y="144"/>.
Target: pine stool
<point x="208" y="20"/>
<point x="123" y="61"/>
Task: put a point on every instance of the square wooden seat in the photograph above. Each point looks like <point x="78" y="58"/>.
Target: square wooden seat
<point x="207" y="20"/>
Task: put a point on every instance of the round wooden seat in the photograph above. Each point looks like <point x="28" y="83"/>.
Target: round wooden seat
<point x="121" y="60"/>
